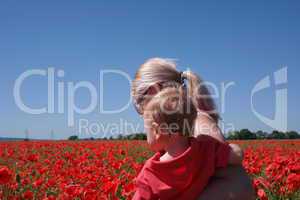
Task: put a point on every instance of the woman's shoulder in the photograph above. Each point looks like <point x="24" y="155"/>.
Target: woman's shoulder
<point x="206" y="139"/>
<point x="204" y="114"/>
<point x="205" y="125"/>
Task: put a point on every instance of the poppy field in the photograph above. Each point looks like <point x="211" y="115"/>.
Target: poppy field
<point x="105" y="169"/>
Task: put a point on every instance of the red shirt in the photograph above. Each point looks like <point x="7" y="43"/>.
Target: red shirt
<point x="185" y="176"/>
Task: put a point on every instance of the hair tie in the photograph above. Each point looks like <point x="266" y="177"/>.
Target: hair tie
<point x="182" y="78"/>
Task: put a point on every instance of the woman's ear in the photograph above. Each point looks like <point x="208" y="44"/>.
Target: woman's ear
<point x="156" y="130"/>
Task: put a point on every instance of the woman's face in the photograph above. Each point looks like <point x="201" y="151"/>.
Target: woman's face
<point x="155" y="138"/>
<point x="150" y="130"/>
<point x="152" y="91"/>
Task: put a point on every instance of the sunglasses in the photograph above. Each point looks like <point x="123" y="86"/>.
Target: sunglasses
<point x="146" y="96"/>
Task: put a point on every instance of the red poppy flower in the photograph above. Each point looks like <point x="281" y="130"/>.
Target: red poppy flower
<point x="5" y="175"/>
<point x="262" y="195"/>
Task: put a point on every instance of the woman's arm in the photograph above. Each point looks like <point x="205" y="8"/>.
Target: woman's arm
<point x="204" y="125"/>
<point x="231" y="182"/>
<point x="234" y="185"/>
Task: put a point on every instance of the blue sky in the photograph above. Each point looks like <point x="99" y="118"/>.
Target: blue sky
<point x="221" y="41"/>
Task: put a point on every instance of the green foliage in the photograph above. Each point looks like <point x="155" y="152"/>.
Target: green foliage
<point x="292" y="135"/>
<point x="243" y="134"/>
<point x="73" y="137"/>
<point x="246" y="134"/>
<point x="277" y="135"/>
<point x="137" y="136"/>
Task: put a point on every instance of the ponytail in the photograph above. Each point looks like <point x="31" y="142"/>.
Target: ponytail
<point x="163" y="71"/>
<point x="200" y="95"/>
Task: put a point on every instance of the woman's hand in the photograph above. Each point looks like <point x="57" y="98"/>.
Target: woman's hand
<point x="236" y="155"/>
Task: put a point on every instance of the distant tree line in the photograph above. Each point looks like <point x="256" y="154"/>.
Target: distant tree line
<point x="243" y="134"/>
<point x="136" y="136"/>
<point x="246" y="134"/>
<point x="73" y="137"/>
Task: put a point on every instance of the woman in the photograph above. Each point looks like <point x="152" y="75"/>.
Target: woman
<point x="158" y="73"/>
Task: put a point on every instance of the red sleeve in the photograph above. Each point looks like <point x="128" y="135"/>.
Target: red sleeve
<point x="219" y="150"/>
<point x="143" y="190"/>
<point x="222" y="150"/>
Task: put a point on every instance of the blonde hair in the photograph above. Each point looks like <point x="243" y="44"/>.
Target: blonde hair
<point x="173" y="111"/>
<point x="163" y="71"/>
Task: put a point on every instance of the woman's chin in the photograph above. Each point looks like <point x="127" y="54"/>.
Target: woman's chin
<point x="156" y="148"/>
